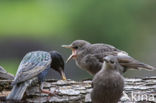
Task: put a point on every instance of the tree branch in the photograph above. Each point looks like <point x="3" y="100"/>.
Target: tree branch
<point x="136" y="90"/>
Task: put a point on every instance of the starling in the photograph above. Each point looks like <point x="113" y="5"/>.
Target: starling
<point x="90" y="56"/>
<point x="35" y="65"/>
<point x="5" y="75"/>
<point x="108" y="83"/>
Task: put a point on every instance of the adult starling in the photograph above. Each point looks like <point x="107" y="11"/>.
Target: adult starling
<point x="90" y="56"/>
<point x="35" y="65"/>
<point x="108" y="83"/>
<point x="5" y="75"/>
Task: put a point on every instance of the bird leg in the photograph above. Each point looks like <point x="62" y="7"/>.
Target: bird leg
<point x="48" y="92"/>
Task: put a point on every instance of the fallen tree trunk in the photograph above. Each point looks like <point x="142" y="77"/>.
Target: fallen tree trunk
<point x="137" y="90"/>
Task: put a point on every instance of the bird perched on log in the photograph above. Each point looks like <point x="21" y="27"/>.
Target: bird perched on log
<point x="90" y="56"/>
<point x="5" y="75"/>
<point x="108" y="83"/>
<point x="35" y="65"/>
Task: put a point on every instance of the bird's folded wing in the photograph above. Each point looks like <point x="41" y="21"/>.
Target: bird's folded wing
<point x="31" y="65"/>
<point x="101" y="48"/>
<point x="23" y="76"/>
<point x="124" y="59"/>
<point x="130" y="62"/>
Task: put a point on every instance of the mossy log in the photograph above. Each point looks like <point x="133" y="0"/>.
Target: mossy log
<point x="137" y="90"/>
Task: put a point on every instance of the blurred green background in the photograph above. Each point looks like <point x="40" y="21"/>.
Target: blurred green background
<point x="29" y="25"/>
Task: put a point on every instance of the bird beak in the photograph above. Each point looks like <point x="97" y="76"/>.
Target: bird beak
<point x="72" y="55"/>
<point x="73" y="52"/>
<point x="63" y="75"/>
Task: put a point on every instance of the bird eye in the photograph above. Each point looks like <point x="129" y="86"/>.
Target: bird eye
<point x="111" y="61"/>
<point x="76" y="47"/>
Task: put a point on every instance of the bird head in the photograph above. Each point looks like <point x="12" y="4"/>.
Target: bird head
<point x="76" y="46"/>
<point x="57" y="63"/>
<point x="111" y="61"/>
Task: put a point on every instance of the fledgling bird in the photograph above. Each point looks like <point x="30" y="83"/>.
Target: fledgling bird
<point x="35" y="65"/>
<point x="5" y="75"/>
<point x="90" y="56"/>
<point x="108" y="83"/>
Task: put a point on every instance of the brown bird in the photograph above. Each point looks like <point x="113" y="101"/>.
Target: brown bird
<point x="108" y="83"/>
<point x="90" y="56"/>
<point x="5" y="75"/>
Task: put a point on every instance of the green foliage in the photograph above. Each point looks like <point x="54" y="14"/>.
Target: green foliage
<point x="121" y="23"/>
<point x="108" y="20"/>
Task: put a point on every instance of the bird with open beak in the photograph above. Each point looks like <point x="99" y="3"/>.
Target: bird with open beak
<point x="74" y="54"/>
<point x="90" y="56"/>
<point x="35" y="65"/>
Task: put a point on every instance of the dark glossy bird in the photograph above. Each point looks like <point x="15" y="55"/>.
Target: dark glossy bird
<point x="108" y="83"/>
<point x="5" y="75"/>
<point x="35" y="65"/>
<point x="90" y="56"/>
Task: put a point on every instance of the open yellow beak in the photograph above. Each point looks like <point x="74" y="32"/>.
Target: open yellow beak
<point x="73" y="52"/>
<point x="63" y="75"/>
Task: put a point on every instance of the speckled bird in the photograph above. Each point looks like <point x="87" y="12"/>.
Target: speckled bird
<point x="90" y="56"/>
<point x="35" y="65"/>
<point x="5" y="75"/>
<point x="108" y="83"/>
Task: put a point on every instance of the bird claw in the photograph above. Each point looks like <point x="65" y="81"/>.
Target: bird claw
<point x="54" y="93"/>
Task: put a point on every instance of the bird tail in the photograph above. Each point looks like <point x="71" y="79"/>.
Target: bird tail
<point x="138" y="65"/>
<point x="17" y="92"/>
<point x="130" y="62"/>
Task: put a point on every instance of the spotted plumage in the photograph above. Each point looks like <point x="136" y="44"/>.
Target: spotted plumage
<point x="34" y="65"/>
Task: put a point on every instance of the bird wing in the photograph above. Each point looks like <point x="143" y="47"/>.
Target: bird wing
<point x="129" y="62"/>
<point x="125" y="60"/>
<point x="100" y="48"/>
<point x="31" y="65"/>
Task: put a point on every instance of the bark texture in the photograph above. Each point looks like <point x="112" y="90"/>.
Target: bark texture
<point x="137" y="90"/>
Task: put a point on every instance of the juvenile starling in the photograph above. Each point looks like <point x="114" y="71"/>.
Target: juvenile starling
<point x="90" y="56"/>
<point x="108" y="83"/>
<point x="5" y="75"/>
<point x="35" y="65"/>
